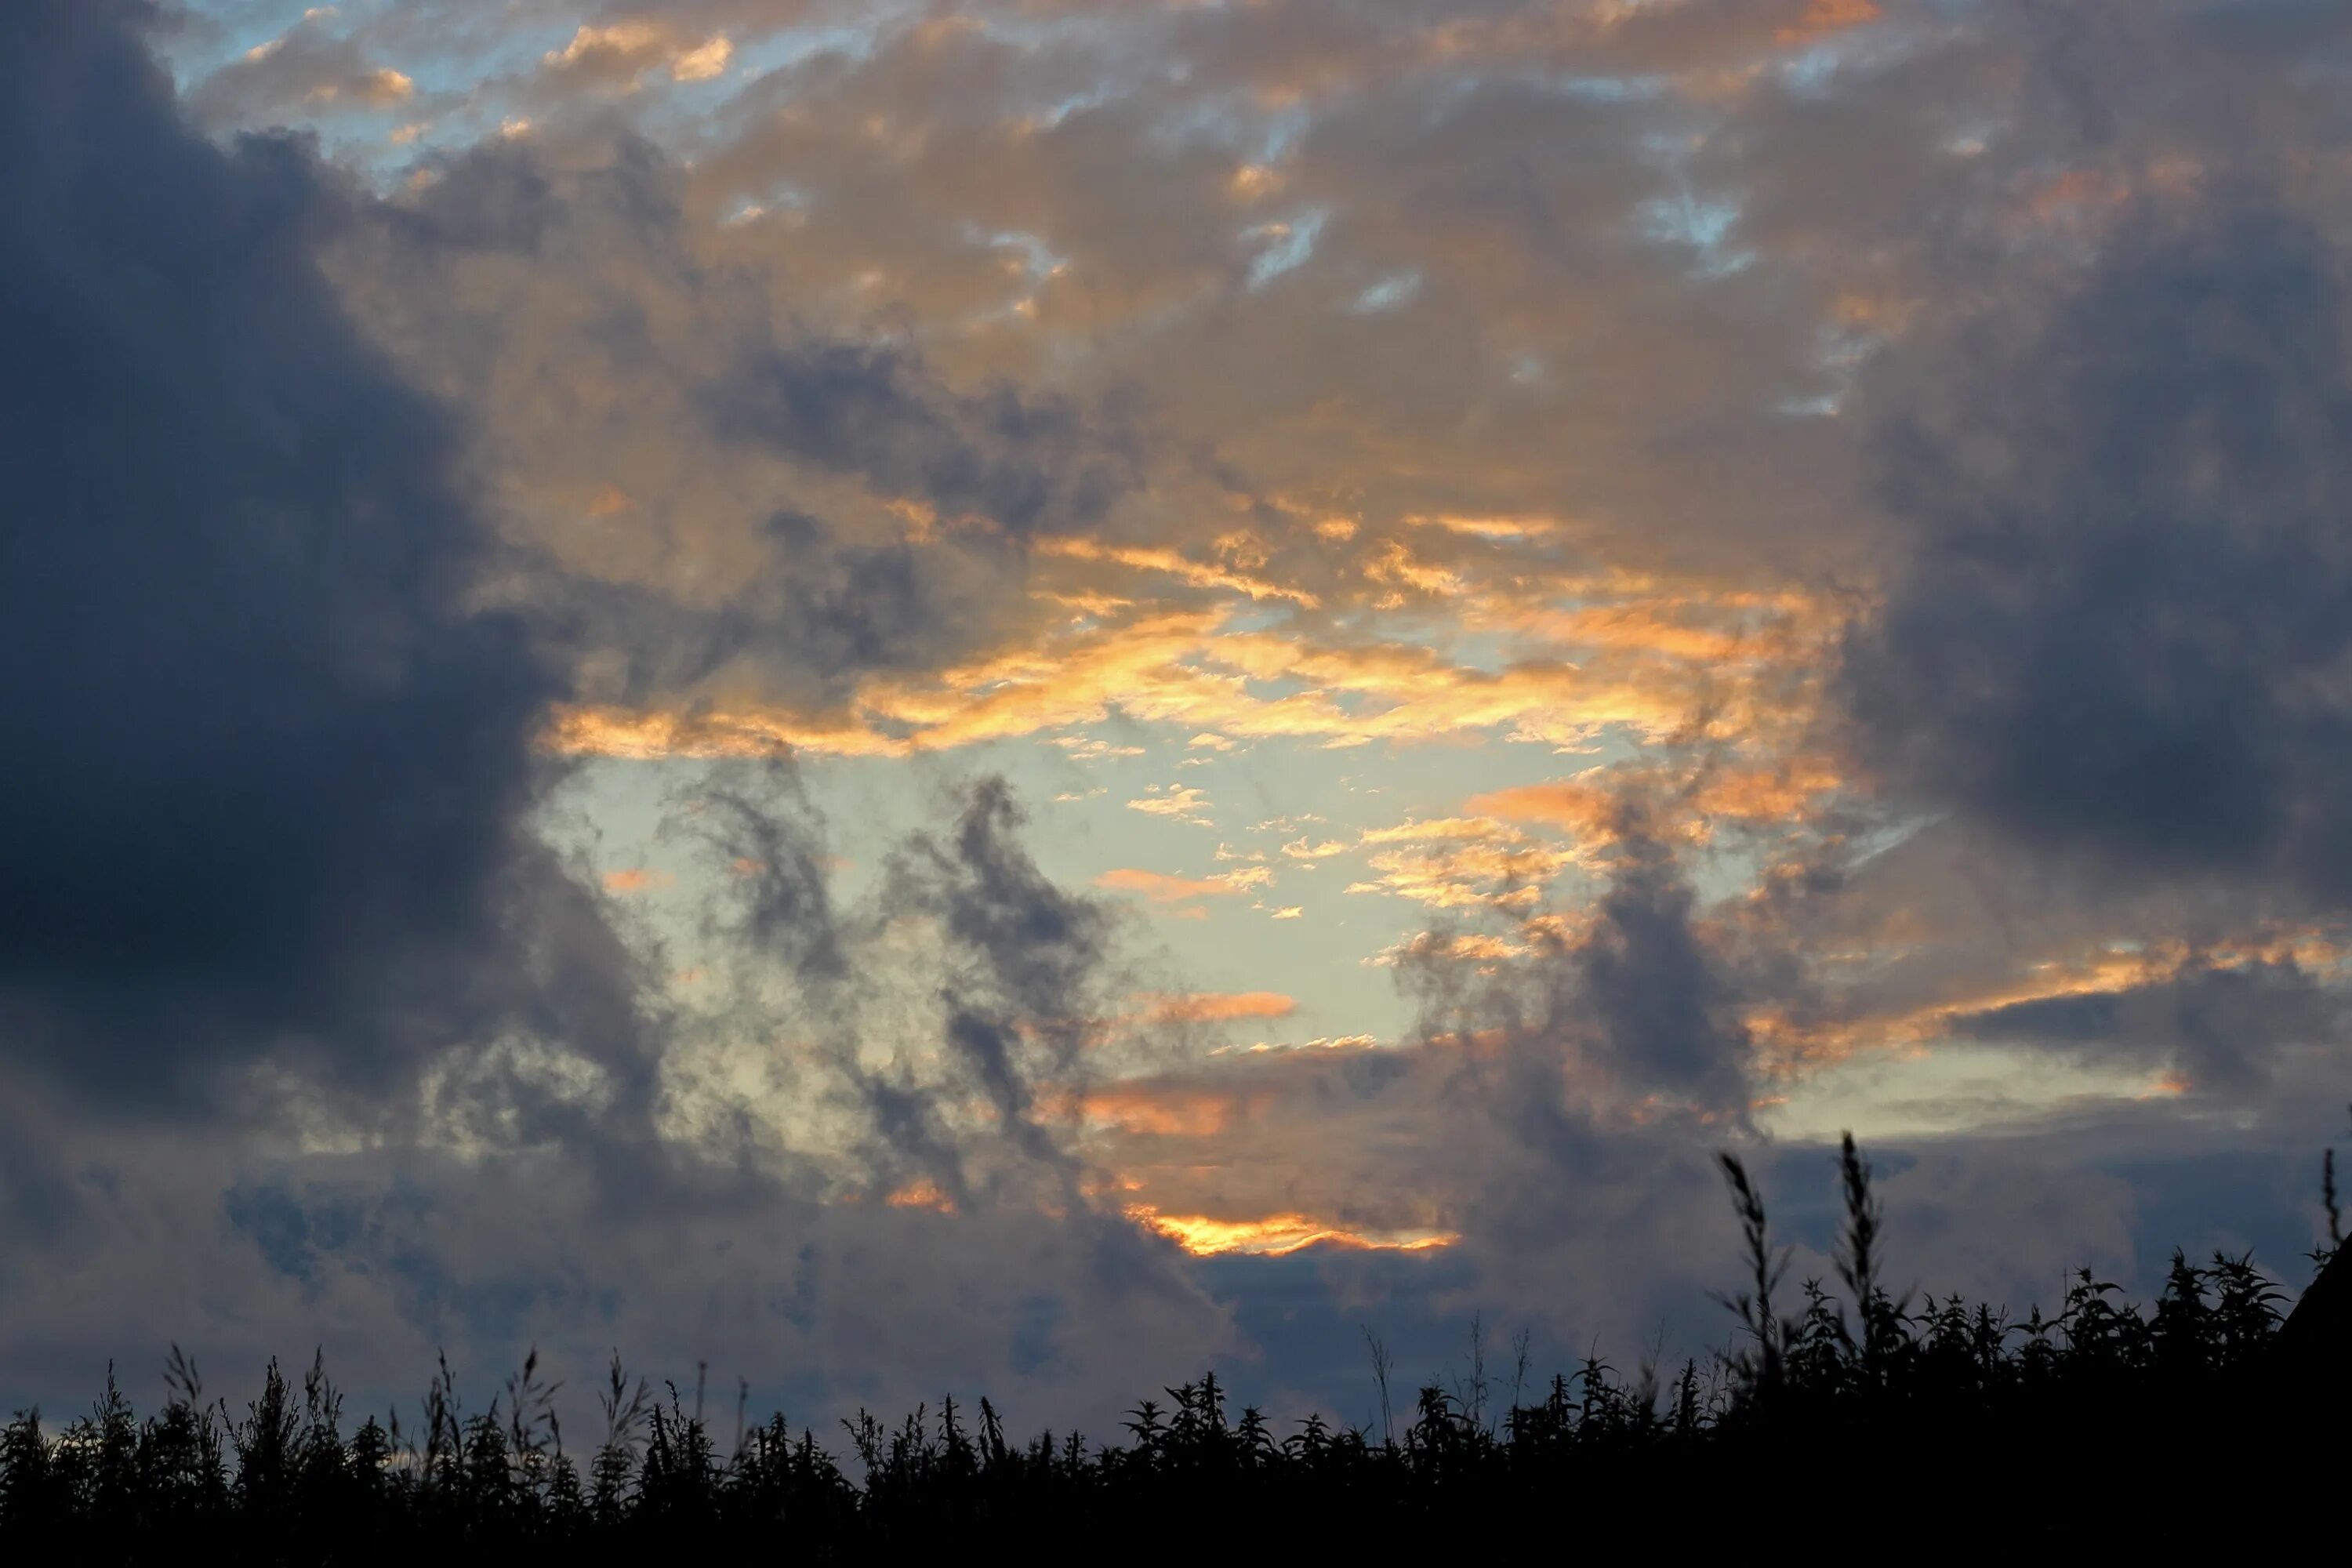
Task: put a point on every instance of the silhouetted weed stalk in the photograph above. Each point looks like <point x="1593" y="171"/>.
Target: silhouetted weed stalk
<point x="284" y="1483"/>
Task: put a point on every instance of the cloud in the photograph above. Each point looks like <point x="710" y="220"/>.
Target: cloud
<point x="1277" y="1236"/>
<point x="1588" y="809"/>
<point x="306" y="71"/>
<point x="1162" y="888"/>
<point x="1460" y="863"/>
<point x="821" y="1306"/>
<point x="2120" y="620"/>
<point x="1178" y="802"/>
<point x="1021" y="463"/>
<point x="620" y="55"/>
<point x="1187" y="668"/>
<point x="2220" y="1026"/>
<point x="1022" y="999"/>
<point x="1214" y="1006"/>
<point x="650" y="415"/>
<point x="1636" y="1003"/>
<point x="277" y="762"/>
<point x="1198" y="573"/>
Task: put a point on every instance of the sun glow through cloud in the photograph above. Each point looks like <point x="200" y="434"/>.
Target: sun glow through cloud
<point x="1278" y="1236"/>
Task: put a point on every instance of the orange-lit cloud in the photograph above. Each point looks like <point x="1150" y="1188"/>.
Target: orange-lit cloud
<point x="1216" y="1006"/>
<point x="1583" y="808"/>
<point x="1823" y="17"/>
<point x="1320" y="1042"/>
<point x="1191" y="669"/>
<point x="1788" y="1045"/>
<point x="622" y="52"/>
<point x="1275" y="1235"/>
<point x="1167" y="562"/>
<point x="1159" y="1111"/>
<point x="1178" y="802"/>
<point x="1162" y="888"/>
<point x="920" y="1194"/>
<point x="1462" y="862"/>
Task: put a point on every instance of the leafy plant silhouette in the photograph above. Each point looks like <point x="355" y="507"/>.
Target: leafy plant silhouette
<point x="2019" y="1429"/>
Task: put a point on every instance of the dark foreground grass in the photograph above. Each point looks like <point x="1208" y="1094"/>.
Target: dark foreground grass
<point x="1842" y="1422"/>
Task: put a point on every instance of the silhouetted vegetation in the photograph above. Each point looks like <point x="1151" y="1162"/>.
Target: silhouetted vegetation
<point x="1851" y="1418"/>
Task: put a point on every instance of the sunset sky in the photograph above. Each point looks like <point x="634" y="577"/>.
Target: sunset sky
<point x="1018" y="697"/>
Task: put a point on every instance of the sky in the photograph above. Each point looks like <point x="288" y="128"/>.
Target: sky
<point x="1018" y="697"/>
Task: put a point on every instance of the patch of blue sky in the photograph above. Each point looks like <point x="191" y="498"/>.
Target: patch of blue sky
<point x="1250" y="802"/>
<point x="1042" y="260"/>
<point x="363" y="140"/>
<point x="1279" y="131"/>
<point x="1692" y="220"/>
<point x="1668" y="147"/>
<point x="1490" y="653"/>
<point x="224" y="31"/>
<point x="1036" y="26"/>
<point x="503" y="55"/>
<point x="789" y="48"/>
<point x="1970" y="139"/>
<point x="1288" y="246"/>
<point x="1440" y="631"/>
<point x="1952" y="1089"/>
<point x="1609" y="89"/>
<point x="1261" y="615"/>
<point x="780" y="197"/>
<point x="1807" y="73"/>
<point x="1061" y="108"/>
<point x="1704" y="226"/>
<point x="1388" y="294"/>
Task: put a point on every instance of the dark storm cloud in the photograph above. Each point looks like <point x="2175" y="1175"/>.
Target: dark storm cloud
<point x="1024" y="462"/>
<point x="2220" y="1026"/>
<point x="819" y="615"/>
<point x="267" y="771"/>
<point x="2295" y="31"/>
<point x="2123" y="622"/>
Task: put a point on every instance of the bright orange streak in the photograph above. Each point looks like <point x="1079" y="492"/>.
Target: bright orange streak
<point x="1277" y="1236"/>
<point x="922" y="1193"/>
<point x="1220" y="1006"/>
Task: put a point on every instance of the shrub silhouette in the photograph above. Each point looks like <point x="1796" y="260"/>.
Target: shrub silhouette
<point x="1939" y="1426"/>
